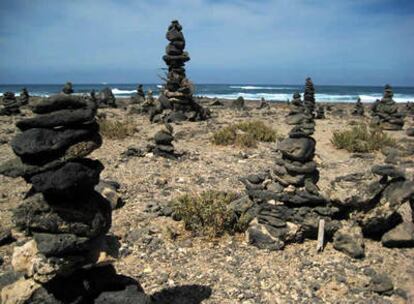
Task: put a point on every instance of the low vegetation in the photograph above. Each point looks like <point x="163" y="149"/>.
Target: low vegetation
<point x="245" y="134"/>
<point x="362" y="138"/>
<point x="207" y="214"/>
<point x="114" y="129"/>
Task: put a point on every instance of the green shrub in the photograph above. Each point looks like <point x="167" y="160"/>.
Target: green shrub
<point x="362" y="139"/>
<point x="115" y="129"/>
<point x="206" y="214"/>
<point x="244" y="134"/>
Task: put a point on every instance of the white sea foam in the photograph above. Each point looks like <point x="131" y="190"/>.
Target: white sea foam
<point x="159" y="86"/>
<point x="260" y="88"/>
<point x="117" y="91"/>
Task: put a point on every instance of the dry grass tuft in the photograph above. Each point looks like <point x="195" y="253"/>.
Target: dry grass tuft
<point x="114" y="129"/>
<point x="362" y="139"/>
<point x="207" y="214"/>
<point x="245" y="134"/>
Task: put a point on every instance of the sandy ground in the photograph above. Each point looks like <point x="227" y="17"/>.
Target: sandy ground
<point x="225" y="270"/>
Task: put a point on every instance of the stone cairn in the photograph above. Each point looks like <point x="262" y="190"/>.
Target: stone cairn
<point x="10" y="105"/>
<point x="68" y="88"/>
<point x="288" y="205"/>
<point x="139" y="97"/>
<point x="24" y="97"/>
<point x="63" y="218"/>
<point x="320" y="112"/>
<point x="358" y="109"/>
<point x="284" y="204"/>
<point x="106" y="99"/>
<point x="386" y="113"/>
<point x="176" y="102"/>
<point x="309" y="96"/>
<point x="263" y="104"/>
<point x="298" y="115"/>
<point x="238" y="104"/>
<point x="163" y="143"/>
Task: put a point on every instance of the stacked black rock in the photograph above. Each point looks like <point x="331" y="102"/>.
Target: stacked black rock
<point x="320" y="112"/>
<point x="139" y="97"/>
<point x="263" y="104"/>
<point x="298" y="115"/>
<point x="63" y="217"/>
<point x="238" y="104"/>
<point x="106" y="99"/>
<point x="24" y="97"/>
<point x="163" y="143"/>
<point x="309" y="96"/>
<point x="288" y="203"/>
<point x="68" y="88"/>
<point x="177" y="95"/>
<point x="386" y="114"/>
<point x="10" y="105"/>
<point x="359" y="108"/>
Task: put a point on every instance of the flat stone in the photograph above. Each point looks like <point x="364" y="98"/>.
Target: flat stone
<point x="86" y="216"/>
<point x="17" y="168"/>
<point x="58" y="102"/>
<point x="35" y="143"/>
<point x="163" y="138"/>
<point x="297" y="149"/>
<point x="349" y="240"/>
<point x="387" y="170"/>
<point x="72" y="176"/>
<point x="400" y="236"/>
<point x="62" y="118"/>
<point x="381" y="284"/>
<point x="60" y="244"/>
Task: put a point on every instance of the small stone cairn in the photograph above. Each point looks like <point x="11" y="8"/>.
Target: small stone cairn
<point x="176" y="100"/>
<point x="139" y="97"/>
<point x="106" y="99"/>
<point x="24" y="97"/>
<point x="10" y="105"/>
<point x="68" y="88"/>
<point x="64" y="258"/>
<point x="163" y="143"/>
<point x="359" y="108"/>
<point x="386" y="114"/>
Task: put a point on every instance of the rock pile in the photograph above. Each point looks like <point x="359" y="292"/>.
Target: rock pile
<point x="163" y="143"/>
<point x="386" y="114"/>
<point x="10" y="105"/>
<point x="320" y="113"/>
<point x="238" y="104"/>
<point x="24" y="97"/>
<point x="68" y="88"/>
<point x="287" y="203"/>
<point x="139" y="97"/>
<point x="64" y="219"/>
<point x="263" y="104"/>
<point x="298" y="115"/>
<point x="284" y="205"/>
<point x="359" y="108"/>
<point x="106" y="99"/>
<point x="176" y="100"/>
<point x="309" y="96"/>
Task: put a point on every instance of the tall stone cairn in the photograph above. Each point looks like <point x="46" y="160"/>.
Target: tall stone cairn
<point x="386" y="114"/>
<point x="298" y="115"/>
<point x="63" y="218"/>
<point x="359" y="108"/>
<point x="178" y="91"/>
<point x="10" y="105"/>
<point x="309" y="96"/>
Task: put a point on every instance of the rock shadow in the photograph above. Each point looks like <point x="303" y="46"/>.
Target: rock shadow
<point x="186" y="294"/>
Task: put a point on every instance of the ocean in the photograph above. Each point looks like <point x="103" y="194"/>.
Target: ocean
<point x="270" y="92"/>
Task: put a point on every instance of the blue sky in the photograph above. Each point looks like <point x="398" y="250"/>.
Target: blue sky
<point x="366" y="42"/>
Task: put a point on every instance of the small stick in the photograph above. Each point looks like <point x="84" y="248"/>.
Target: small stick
<point x="321" y="235"/>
